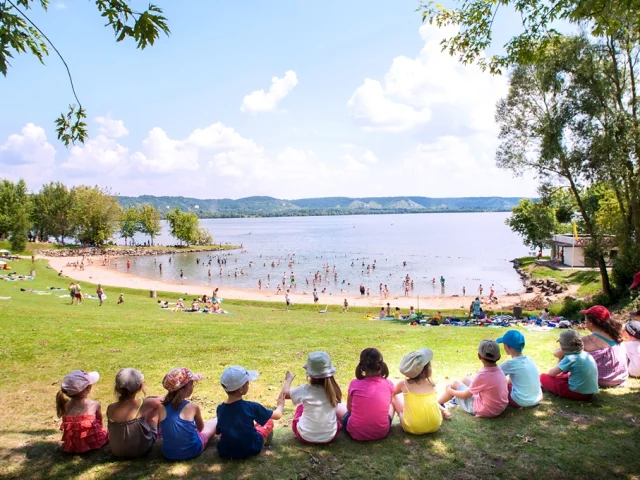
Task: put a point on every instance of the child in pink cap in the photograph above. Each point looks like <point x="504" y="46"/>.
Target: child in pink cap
<point x="81" y="427"/>
<point x="184" y="433"/>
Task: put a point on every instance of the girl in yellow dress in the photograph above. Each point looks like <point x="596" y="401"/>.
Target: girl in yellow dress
<point x="418" y="407"/>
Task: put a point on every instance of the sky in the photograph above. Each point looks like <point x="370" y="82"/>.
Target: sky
<point x="290" y="99"/>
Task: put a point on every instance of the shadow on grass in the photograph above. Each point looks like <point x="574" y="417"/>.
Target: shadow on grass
<point x="558" y="439"/>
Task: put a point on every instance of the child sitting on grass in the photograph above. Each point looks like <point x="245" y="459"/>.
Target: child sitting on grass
<point x="81" y="427"/>
<point x="576" y="375"/>
<point x="368" y="413"/>
<point x="244" y="426"/>
<point x="631" y="335"/>
<point x="132" y="423"/>
<point x="315" y="420"/>
<point x="184" y="433"/>
<point x="486" y="395"/>
<point x="418" y="407"/>
<point x="524" y="378"/>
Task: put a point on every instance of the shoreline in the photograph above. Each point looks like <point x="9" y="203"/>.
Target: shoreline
<point x="111" y="278"/>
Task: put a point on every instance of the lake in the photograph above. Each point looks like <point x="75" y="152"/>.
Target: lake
<point x="468" y="249"/>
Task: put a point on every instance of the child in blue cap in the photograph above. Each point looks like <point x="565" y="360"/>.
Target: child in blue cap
<point x="524" y="379"/>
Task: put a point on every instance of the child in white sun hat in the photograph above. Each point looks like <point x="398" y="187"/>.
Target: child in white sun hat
<point x="418" y="407"/>
<point x="315" y="420"/>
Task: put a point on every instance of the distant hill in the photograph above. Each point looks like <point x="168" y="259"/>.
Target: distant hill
<point x="274" y="207"/>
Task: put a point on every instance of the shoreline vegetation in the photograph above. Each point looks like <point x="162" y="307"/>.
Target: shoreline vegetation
<point x="129" y="251"/>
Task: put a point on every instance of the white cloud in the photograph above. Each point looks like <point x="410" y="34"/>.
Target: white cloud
<point x="351" y="163"/>
<point x="31" y="147"/>
<point x="261" y="101"/>
<point x="60" y="5"/>
<point x="111" y="128"/>
<point x="433" y="87"/>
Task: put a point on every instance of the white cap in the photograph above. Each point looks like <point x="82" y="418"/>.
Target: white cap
<point x="77" y="381"/>
<point x="235" y="377"/>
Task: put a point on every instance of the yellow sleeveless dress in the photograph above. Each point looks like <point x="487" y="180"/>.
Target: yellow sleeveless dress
<point x="421" y="413"/>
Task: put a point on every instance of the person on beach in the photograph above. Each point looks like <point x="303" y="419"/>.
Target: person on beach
<point x="345" y="306"/>
<point x="368" y="413"/>
<point x="100" y="294"/>
<point x="82" y="428"/>
<point x="181" y="274"/>
<point x="244" y="426"/>
<point x="605" y="346"/>
<point x="315" y="296"/>
<point x="259" y="284"/>
<point x="631" y="334"/>
<point x="315" y="421"/>
<point x="524" y="378"/>
<point x="132" y="423"/>
<point x="576" y="374"/>
<point x="185" y="434"/>
<point x="415" y="399"/>
<point x="486" y="395"/>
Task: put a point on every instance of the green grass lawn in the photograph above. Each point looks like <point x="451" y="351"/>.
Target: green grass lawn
<point x="588" y="280"/>
<point x="42" y="338"/>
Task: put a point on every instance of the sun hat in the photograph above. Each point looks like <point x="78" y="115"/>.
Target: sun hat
<point x="178" y="378"/>
<point x="235" y="377"/>
<point x="413" y="363"/>
<point x="489" y="350"/>
<point x="636" y="281"/>
<point x="77" y="381"/>
<point x="598" y="312"/>
<point x="319" y="365"/>
<point x="129" y="379"/>
<point x="571" y="342"/>
<point x="633" y="329"/>
<point x="513" y="339"/>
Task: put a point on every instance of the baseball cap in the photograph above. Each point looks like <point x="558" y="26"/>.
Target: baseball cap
<point x="489" y="350"/>
<point x="77" y="381"/>
<point x="598" y="312"/>
<point x="178" y="378"/>
<point x="319" y="365"/>
<point x="235" y="377"/>
<point x="413" y="363"/>
<point x="636" y="281"/>
<point x="633" y="329"/>
<point x="129" y="379"/>
<point x="571" y="342"/>
<point x="513" y="339"/>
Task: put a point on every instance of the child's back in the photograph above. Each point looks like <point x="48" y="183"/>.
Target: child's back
<point x="490" y="394"/>
<point x="583" y="372"/>
<point x="525" y="379"/>
<point x="633" y="354"/>
<point x="421" y="410"/>
<point x="236" y="425"/>
<point x="180" y="439"/>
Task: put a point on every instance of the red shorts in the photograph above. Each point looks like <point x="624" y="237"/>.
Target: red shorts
<point x="266" y="430"/>
<point x="512" y="402"/>
<point x="294" y="427"/>
<point x="559" y="386"/>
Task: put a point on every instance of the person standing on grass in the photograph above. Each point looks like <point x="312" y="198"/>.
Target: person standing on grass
<point x="100" y="294"/>
<point x="345" y="306"/>
<point x="72" y="292"/>
<point x="287" y="299"/>
<point x="78" y="293"/>
<point x="315" y="296"/>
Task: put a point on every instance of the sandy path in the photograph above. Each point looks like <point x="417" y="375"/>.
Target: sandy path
<point x="108" y="277"/>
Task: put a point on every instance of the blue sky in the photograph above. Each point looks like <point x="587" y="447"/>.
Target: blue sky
<point x="362" y="103"/>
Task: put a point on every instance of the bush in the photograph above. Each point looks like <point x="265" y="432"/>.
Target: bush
<point x="571" y="308"/>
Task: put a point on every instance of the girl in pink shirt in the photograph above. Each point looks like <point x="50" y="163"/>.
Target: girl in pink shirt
<point x="368" y="413"/>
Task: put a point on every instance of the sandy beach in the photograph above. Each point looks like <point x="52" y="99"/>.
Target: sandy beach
<point x="109" y="277"/>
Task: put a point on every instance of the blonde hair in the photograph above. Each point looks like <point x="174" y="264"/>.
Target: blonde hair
<point x="63" y="398"/>
<point x="331" y="389"/>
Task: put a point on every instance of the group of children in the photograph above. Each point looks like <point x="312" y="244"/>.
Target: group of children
<point x="242" y="426"/>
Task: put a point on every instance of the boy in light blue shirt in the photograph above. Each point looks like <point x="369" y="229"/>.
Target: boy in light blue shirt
<point x="524" y="379"/>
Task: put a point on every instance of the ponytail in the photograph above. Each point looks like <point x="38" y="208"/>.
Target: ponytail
<point x="331" y="389"/>
<point x="61" y="403"/>
<point x="371" y="364"/>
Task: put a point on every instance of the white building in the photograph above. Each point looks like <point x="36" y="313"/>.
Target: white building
<point x="569" y="251"/>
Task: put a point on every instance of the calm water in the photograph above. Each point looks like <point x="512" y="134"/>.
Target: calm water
<point x="468" y="249"/>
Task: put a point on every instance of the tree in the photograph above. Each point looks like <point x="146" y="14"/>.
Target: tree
<point x="534" y="221"/>
<point x="96" y="215"/>
<point x="203" y="237"/>
<point x="150" y="221"/>
<point x="184" y="226"/>
<point x="546" y="128"/>
<point x="51" y="213"/>
<point x="129" y="223"/>
<point x="20" y="35"/>
<point x="15" y="210"/>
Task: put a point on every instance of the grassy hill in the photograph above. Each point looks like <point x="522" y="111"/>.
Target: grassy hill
<point x="262" y="206"/>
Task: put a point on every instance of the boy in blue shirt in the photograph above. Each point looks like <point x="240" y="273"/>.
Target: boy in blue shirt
<point x="524" y="378"/>
<point x="243" y="426"/>
<point x="576" y="375"/>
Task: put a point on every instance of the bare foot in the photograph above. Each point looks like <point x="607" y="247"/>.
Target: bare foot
<point x="446" y="414"/>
